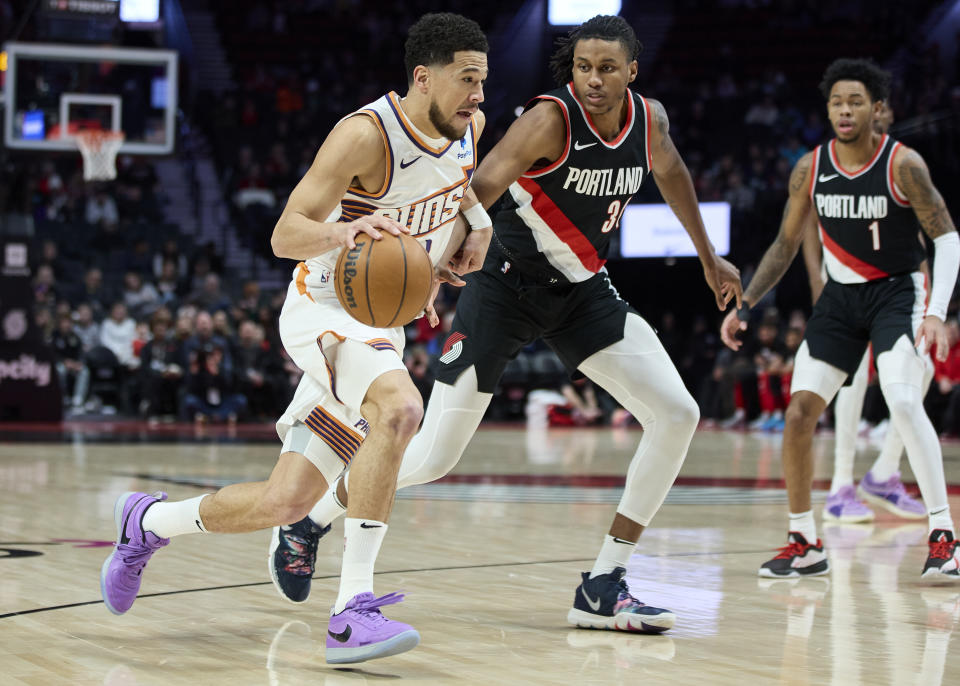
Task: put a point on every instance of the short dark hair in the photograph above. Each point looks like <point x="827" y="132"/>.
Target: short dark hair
<point x="436" y="36"/>
<point x="866" y="71"/>
<point x="604" y="27"/>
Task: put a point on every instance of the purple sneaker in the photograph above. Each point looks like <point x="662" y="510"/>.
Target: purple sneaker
<point x="891" y="495"/>
<point x="843" y="506"/>
<point x="362" y="633"/>
<point x="122" y="572"/>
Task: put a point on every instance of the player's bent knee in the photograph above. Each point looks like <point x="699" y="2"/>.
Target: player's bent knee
<point x="800" y="415"/>
<point x="903" y="402"/>
<point x="401" y="415"/>
<point x="684" y="411"/>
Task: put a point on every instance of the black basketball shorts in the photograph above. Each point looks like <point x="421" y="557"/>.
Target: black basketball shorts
<point x="849" y="316"/>
<point x="499" y="313"/>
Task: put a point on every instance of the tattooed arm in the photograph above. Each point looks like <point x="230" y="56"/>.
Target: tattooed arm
<point x="781" y="253"/>
<point x="912" y="176"/>
<point x="676" y="187"/>
<point x="910" y="173"/>
<point x="813" y="256"/>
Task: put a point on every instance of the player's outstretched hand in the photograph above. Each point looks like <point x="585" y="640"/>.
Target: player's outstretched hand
<point x="473" y="251"/>
<point x="729" y="329"/>
<point x="371" y="225"/>
<point x="724" y="280"/>
<point x="933" y="331"/>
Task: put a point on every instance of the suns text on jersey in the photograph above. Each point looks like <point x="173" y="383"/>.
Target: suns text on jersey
<point x="620" y="181"/>
<point x="428" y="214"/>
<point x="851" y="206"/>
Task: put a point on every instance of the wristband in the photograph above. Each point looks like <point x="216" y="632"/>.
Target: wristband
<point x="477" y="217"/>
<point x="743" y="313"/>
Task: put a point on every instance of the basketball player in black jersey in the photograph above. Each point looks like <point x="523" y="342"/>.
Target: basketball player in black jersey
<point x="571" y="162"/>
<point x="868" y="192"/>
<point x="881" y="485"/>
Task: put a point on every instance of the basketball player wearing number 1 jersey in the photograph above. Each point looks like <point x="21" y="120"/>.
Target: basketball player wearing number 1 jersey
<point x="569" y="165"/>
<point x="868" y="192"/>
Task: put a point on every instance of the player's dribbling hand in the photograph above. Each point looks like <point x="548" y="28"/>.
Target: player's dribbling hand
<point x="473" y="251"/>
<point x="729" y="329"/>
<point x="371" y="225"/>
<point x="933" y="331"/>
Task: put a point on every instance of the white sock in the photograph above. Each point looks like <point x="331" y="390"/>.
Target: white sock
<point x="328" y="508"/>
<point x="615" y="552"/>
<point x="938" y="520"/>
<point x="803" y="523"/>
<point x="361" y="544"/>
<point x="842" y="469"/>
<point x="167" y="519"/>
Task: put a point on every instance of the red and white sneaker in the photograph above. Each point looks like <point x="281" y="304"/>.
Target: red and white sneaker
<point x="943" y="563"/>
<point x="797" y="558"/>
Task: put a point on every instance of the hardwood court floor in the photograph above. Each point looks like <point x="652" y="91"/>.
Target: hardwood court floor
<point x="489" y="559"/>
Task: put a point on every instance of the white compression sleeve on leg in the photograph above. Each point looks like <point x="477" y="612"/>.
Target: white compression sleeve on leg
<point x="451" y="418"/>
<point x="946" y="262"/>
<point x="901" y="378"/>
<point x="638" y="372"/>
<point x="847" y="412"/>
<point x="888" y="460"/>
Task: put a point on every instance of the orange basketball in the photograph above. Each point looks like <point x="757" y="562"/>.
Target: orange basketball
<point x="384" y="283"/>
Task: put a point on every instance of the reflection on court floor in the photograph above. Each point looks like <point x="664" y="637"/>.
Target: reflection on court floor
<point x="489" y="559"/>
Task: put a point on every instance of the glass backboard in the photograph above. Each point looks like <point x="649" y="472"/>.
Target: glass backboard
<point x="54" y="91"/>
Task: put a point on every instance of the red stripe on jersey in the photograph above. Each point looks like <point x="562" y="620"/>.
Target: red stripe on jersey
<point x="627" y="126"/>
<point x="890" y="182"/>
<point x="864" y="269"/>
<point x="646" y="109"/>
<point x="566" y="148"/>
<point x="850" y="174"/>
<point x="562" y="227"/>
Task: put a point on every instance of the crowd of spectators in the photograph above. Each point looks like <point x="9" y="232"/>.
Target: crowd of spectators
<point x="154" y="326"/>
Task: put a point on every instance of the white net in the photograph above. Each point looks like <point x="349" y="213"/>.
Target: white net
<point x="99" y="150"/>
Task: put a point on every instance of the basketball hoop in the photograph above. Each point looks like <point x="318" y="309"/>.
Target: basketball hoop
<point x="99" y="150"/>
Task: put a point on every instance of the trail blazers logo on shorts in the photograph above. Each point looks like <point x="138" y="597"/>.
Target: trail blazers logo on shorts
<point x="452" y="348"/>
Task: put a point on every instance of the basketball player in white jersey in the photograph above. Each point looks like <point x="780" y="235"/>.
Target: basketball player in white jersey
<point x="397" y="165"/>
<point x="869" y="194"/>
<point x="571" y="162"/>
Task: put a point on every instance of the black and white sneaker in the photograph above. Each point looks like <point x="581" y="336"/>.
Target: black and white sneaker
<point x="604" y="602"/>
<point x="797" y="558"/>
<point x="943" y="563"/>
<point x="293" y="553"/>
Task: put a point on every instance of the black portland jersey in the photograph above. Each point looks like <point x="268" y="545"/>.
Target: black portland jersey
<point x="559" y="218"/>
<point x="867" y="226"/>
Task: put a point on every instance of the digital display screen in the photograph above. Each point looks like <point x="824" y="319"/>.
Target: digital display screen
<point x="655" y="231"/>
<point x="140" y="10"/>
<point x="573" y="12"/>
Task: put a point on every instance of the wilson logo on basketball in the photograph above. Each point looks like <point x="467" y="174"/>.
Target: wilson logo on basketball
<point x="452" y="348"/>
<point x="430" y="214"/>
<point x="349" y="273"/>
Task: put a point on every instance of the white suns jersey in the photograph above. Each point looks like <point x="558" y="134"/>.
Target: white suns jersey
<point x="424" y="184"/>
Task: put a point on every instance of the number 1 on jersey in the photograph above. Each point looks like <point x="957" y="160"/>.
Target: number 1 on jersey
<point x="875" y="230"/>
